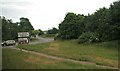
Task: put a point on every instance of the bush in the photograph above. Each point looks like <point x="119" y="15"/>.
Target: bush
<point x="88" y="37"/>
<point x="56" y="36"/>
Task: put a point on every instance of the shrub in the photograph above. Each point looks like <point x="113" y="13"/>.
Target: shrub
<point x="88" y="37"/>
<point x="56" y="36"/>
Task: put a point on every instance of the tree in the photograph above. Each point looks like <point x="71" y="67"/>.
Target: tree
<point x="114" y="20"/>
<point x="10" y="29"/>
<point x="25" y="25"/>
<point x="100" y="23"/>
<point x="34" y="32"/>
<point x="105" y="23"/>
<point x="72" y="26"/>
<point x="52" y="31"/>
<point x="40" y="32"/>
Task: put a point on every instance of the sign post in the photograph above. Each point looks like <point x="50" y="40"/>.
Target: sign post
<point x="23" y="37"/>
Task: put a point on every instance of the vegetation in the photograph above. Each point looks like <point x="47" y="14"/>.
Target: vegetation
<point x="103" y="26"/>
<point x="105" y="23"/>
<point x="10" y="29"/>
<point x="14" y="59"/>
<point x="36" y="32"/>
<point x="100" y="53"/>
<point x="88" y="37"/>
<point x="25" y="25"/>
<point x="71" y="27"/>
<point x="52" y="31"/>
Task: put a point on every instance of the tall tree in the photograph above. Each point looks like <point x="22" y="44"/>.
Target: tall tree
<point x="25" y="25"/>
<point x="114" y="20"/>
<point x="9" y="29"/>
<point x="72" y="26"/>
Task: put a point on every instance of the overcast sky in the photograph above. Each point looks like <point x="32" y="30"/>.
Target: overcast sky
<point x="44" y="14"/>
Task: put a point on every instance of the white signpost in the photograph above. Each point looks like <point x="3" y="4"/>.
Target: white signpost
<point x="23" y="34"/>
<point x="23" y="37"/>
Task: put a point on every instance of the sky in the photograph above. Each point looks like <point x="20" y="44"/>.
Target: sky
<point x="45" y="14"/>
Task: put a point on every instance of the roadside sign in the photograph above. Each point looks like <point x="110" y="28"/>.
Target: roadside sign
<point x="23" y="34"/>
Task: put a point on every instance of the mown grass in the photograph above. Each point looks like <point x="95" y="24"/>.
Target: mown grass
<point x="15" y="59"/>
<point x="36" y="47"/>
<point x="99" y="53"/>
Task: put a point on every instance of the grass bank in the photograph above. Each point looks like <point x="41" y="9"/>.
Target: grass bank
<point x="99" y="53"/>
<point x="14" y="59"/>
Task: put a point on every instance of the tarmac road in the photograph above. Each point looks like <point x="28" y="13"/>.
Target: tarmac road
<point x="40" y="40"/>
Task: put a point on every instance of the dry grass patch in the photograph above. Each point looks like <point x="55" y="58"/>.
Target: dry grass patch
<point x="38" y="59"/>
<point x="32" y="59"/>
<point x="52" y="47"/>
<point x="107" y="62"/>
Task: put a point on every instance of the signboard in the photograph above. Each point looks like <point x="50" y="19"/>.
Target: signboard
<point x="23" y="34"/>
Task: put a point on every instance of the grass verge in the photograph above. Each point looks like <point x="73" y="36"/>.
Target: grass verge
<point x="14" y="59"/>
<point x="99" y="53"/>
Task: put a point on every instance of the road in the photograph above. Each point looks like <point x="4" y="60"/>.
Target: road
<point x="42" y="40"/>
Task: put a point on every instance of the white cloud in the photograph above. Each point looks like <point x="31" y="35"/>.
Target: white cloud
<point x="44" y="14"/>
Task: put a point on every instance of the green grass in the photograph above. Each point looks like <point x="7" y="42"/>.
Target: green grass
<point x="99" y="53"/>
<point x="15" y="59"/>
<point x="36" y="47"/>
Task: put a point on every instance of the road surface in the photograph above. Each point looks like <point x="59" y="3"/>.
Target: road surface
<point x="42" y="40"/>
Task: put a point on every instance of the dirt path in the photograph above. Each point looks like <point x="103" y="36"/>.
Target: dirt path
<point x="64" y="59"/>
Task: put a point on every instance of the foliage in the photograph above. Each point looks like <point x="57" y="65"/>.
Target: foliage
<point x="25" y="25"/>
<point x="72" y="26"/>
<point x="88" y="37"/>
<point x="105" y="22"/>
<point x="35" y="32"/>
<point x="114" y="19"/>
<point x="52" y="31"/>
<point x="10" y="29"/>
<point x="40" y="32"/>
<point x="56" y="36"/>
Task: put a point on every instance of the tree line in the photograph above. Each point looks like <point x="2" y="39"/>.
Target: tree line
<point x="102" y="25"/>
<point x="10" y="30"/>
